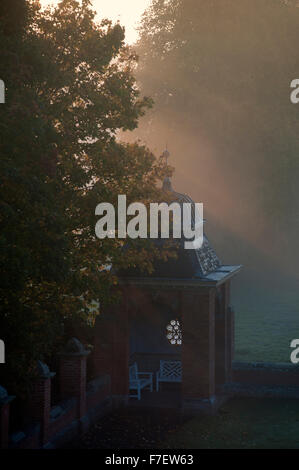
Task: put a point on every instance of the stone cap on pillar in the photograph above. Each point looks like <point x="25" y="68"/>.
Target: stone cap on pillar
<point x="74" y="347"/>
<point x="43" y="371"/>
<point x="4" y="397"/>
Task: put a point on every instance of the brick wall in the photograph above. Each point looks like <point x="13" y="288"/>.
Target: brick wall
<point x="81" y="404"/>
<point x="266" y="373"/>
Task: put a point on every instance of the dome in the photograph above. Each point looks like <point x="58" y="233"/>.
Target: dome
<point x="189" y="263"/>
<point x="206" y="257"/>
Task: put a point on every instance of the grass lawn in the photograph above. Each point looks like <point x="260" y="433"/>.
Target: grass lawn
<point x="266" y="321"/>
<point x="244" y="423"/>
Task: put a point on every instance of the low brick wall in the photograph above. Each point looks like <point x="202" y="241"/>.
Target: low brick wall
<point x="80" y="405"/>
<point x="266" y="373"/>
<point x="64" y="422"/>
<point x="52" y="427"/>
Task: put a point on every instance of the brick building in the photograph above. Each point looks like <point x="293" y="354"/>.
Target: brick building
<point x="193" y="290"/>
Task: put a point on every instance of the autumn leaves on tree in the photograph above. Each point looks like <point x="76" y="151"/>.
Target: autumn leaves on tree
<point x="70" y="90"/>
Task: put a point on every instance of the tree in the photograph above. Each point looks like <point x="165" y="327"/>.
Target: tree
<point x="70" y="89"/>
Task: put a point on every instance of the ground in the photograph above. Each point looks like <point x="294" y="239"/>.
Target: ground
<point x="245" y="423"/>
<point x="134" y="428"/>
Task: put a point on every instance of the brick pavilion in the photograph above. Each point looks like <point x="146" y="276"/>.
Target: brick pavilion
<point x="193" y="290"/>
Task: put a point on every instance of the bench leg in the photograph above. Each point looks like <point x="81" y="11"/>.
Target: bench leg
<point x="157" y="385"/>
<point x="139" y="394"/>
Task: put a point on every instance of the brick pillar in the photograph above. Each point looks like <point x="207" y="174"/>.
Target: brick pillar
<point x="5" y="401"/>
<point x="73" y="374"/>
<point x="198" y="350"/>
<point x="223" y="337"/>
<point x="111" y="353"/>
<point x="40" y="400"/>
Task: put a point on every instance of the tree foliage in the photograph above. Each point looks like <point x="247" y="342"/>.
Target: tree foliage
<point x="69" y="90"/>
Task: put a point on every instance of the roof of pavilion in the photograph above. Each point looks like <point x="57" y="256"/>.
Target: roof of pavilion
<point x="201" y="264"/>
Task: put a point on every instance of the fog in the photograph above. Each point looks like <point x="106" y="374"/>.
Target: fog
<point x="222" y="106"/>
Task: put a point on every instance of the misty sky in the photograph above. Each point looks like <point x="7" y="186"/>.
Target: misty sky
<point x="127" y="12"/>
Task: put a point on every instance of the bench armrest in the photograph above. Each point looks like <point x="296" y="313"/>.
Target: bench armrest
<point x="149" y="374"/>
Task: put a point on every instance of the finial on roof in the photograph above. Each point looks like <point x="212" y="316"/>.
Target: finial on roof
<point x="166" y="155"/>
<point x="167" y="184"/>
<point x="167" y="181"/>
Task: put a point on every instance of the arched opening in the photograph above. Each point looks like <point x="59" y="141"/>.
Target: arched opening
<point x="155" y="342"/>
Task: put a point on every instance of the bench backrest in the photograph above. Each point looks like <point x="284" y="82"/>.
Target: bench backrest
<point x="171" y="369"/>
<point x="133" y="372"/>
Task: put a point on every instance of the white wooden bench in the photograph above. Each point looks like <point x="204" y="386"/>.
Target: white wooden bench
<point x="139" y="381"/>
<point x="170" y="371"/>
